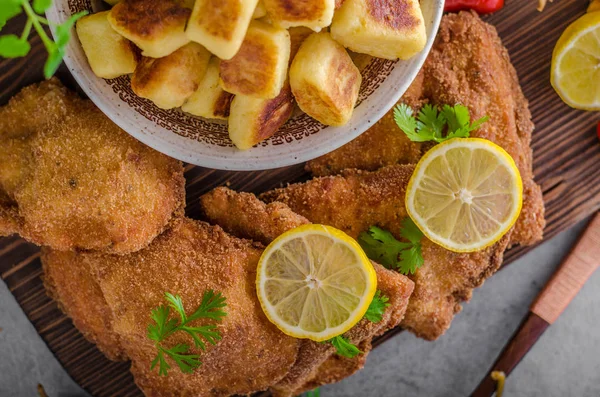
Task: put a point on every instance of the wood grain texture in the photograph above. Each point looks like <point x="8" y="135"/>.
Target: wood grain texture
<point x="524" y="338"/>
<point x="566" y="164"/>
<point x="576" y="269"/>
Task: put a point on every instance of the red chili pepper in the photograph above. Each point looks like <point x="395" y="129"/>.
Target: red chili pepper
<point x="481" y="6"/>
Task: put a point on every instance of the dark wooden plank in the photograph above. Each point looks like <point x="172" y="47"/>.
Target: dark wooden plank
<point x="566" y="162"/>
<point x="524" y="338"/>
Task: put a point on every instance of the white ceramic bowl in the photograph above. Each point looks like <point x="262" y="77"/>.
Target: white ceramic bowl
<point x="206" y="143"/>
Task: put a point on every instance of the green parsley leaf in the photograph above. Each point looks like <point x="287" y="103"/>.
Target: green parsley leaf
<point x="163" y="326"/>
<point x="55" y="57"/>
<point x="412" y="258"/>
<point x="382" y="247"/>
<point x="410" y="231"/>
<point x="377" y="307"/>
<point x="210" y="307"/>
<point x="431" y="122"/>
<point x="344" y="347"/>
<point x="313" y="393"/>
<point x="12" y="46"/>
<point x="40" y="6"/>
<point x="63" y="31"/>
<point x="403" y="116"/>
<point x="9" y="9"/>
<point x="186" y="362"/>
<point x="374" y="314"/>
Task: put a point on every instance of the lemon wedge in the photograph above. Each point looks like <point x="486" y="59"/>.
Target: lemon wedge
<point x="465" y="194"/>
<point x="576" y="63"/>
<point x="315" y="282"/>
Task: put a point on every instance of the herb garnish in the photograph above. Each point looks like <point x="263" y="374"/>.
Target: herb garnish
<point x="210" y="308"/>
<point x="13" y="46"/>
<point x="313" y="393"/>
<point x="374" y="314"/>
<point x="430" y="123"/>
<point x="382" y="247"/>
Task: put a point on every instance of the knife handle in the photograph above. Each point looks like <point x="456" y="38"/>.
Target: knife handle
<point x="575" y="270"/>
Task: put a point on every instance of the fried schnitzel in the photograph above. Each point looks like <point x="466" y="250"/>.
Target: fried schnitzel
<point x="469" y="65"/>
<point x="356" y="200"/>
<point x="187" y="260"/>
<point x="246" y="216"/>
<point x="71" y="179"/>
<point x="110" y="297"/>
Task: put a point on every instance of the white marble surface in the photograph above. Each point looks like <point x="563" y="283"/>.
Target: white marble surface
<point x="565" y="362"/>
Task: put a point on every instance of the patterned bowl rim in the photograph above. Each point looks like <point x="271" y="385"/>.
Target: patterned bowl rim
<point x="300" y="140"/>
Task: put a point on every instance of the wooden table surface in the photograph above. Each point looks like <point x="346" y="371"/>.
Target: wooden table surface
<point x="566" y="164"/>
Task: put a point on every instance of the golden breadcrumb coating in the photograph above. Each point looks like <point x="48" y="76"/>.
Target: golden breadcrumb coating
<point x="71" y="179"/>
<point x="468" y="65"/>
<point x="356" y="200"/>
<point x="69" y="281"/>
<point x="189" y="260"/>
<point x="246" y="216"/>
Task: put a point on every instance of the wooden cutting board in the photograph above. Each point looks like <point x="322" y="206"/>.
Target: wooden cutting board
<point x="566" y="164"/>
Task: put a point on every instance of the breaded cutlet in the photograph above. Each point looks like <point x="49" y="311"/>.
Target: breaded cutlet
<point x="357" y="200"/>
<point x="468" y="65"/>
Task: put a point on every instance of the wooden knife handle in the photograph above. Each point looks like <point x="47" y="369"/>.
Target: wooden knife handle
<point x="579" y="265"/>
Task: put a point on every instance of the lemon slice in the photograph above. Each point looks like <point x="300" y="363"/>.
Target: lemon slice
<point x="576" y="63"/>
<point x="465" y="194"/>
<point x="315" y="282"/>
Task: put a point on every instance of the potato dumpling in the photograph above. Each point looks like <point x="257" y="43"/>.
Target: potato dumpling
<point x="156" y="27"/>
<point x="209" y="100"/>
<point x="260" y="11"/>
<point x="220" y="25"/>
<point x="324" y="80"/>
<point x="109" y="54"/>
<point x="315" y="14"/>
<point x="169" y="81"/>
<point x="259" y="69"/>
<point x="297" y="37"/>
<point x="252" y="120"/>
<point x="387" y="29"/>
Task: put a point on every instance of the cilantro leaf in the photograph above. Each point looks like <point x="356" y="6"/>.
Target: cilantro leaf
<point x="163" y="326"/>
<point x="410" y="231"/>
<point x="12" y="46"/>
<point x="186" y="362"/>
<point x="403" y="116"/>
<point x="9" y="9"/>
<point x="40" y="6"/>
<point x="344" y="347"/>
<point x="313" y="393"/>
<point x="210" y="307"/>
<point x="177" y="304"/>
<point x="411" y="259"/>
<point x="63" y="31"/>
<point x="55" y="57"/>
<point x="381" y="246"/>
<point x="163" y="366"/>
<point x="377" y="307"/>
<point x="430" y="123"/>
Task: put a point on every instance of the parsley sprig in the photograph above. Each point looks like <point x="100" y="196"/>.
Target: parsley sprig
<point x="163" y="327"/>
<point x="374" y="314"/>
<point x="382" y="247"/>
<point x="13" y="46"/>
<point x="313" y="393"/>
<point x="436" y="125"/>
